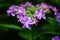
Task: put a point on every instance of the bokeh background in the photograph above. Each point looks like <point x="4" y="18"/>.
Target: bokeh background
<point x="10" y="29"/>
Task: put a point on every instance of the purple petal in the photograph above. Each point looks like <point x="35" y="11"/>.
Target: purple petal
<point x="26" y="26"/>
<point x="27" y="21"/>
<point x="11" y="10"/>
<point x="58" y="17"/>
<point x="39" y="14"/>
<point x="20" y="17"/>
<point x="28" y="4"/>
<point x="55" y="10"/>
<point x="21" y="10"/>
<point x="56" y="38"/>
<point x="22" y="5"/>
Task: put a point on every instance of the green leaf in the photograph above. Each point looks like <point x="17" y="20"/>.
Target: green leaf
<point x="38" y="35"/>
<point x="48" y="12"/>
<point x="26" y="34"/>
<point x="51" y="32"/>
<point x="51" y="26"/>
<point x="10" y="26"/>
<point x="52" y="21"/>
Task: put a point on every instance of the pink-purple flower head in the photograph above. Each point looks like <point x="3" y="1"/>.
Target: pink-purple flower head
<point x="58" y="18"/>
<point x="27" y="22"/>
<point x="29" y="4"/>
<point x="55" y="10"/>
<point x="21" y="10"/>
<point x="56" y="38"/>
<point x="22" y="5"/>
<point x="20" y="17"/>
<point x="21" y="13"/>
<point x="12" y="10"/>
<point x="40" y="14"/>
<point x="44" y="6"/>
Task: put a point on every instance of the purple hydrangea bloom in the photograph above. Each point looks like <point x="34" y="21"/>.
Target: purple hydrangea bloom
<point x="12" y="10"/>
<point x="39" y="14"/>
<point x="21" y="10"/>
<point x="28" y="4"/>
<point x="27" y="22"/>
<point x="44" y="6"/>
<point x="56" y="38"/>
<point x="58" y="18"/>
<point x="22" y="5"/>
<point x="55" y="10"/>
<point x="20" y="17"/>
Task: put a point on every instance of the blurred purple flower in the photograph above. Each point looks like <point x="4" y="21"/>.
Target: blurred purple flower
<point x="21" y="10"/>
<point x="55" y="10"/>
<point x="22" y="5"/>
<point x="12" y="10"/>
<point x="56" y="38"/>
<point x="20" y="17"/>
<point x="27" y="22"/>
<point x="58" y="18"/>
<point x="44" y="6"/>
<point x="28" y="4"/>
<point x="39" y="14"/>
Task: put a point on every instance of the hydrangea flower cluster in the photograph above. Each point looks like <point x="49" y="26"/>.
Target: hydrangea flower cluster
<point x="29" y="14"/>
<point x="56" y="38"/>
<point x="58" y="18"/>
